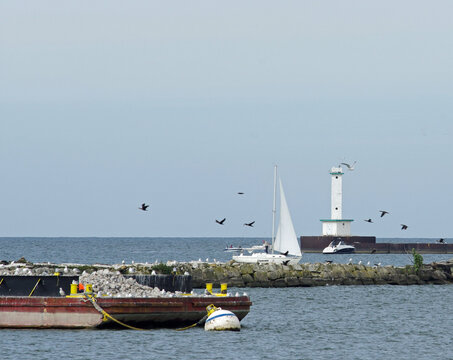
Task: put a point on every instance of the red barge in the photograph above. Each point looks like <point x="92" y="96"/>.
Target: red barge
<point x="79" y="312"/>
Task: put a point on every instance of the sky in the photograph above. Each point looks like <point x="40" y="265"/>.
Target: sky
<point x="105" y="105"/>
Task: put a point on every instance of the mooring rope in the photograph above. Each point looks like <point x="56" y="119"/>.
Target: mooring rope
<point x="107" y="315"/>
<point x="34" y="287"/>
<point x="103" y="312"/>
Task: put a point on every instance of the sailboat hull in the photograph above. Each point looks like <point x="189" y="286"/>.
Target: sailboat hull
<point x="263" y="258"/>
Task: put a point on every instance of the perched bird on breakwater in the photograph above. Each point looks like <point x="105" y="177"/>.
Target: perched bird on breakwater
<point x="383" y="212"/>
<point x="221" y="221"/>
<point x="368" y="220"/>
<point x="441" y="241"/>
<point x="249" y="224"/>
<point x="403" y="227"/>
<point x="144" y="207"/>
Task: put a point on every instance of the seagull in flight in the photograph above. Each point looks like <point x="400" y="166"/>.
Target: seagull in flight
<point x="240" y="193"/>
<point x="221" y="221"/>
<point x="368" y="220"/>
<point x="144" y="207"/>
<point x="350" y="167"/>
<point x="403" y="227"/>
<point x="383" y="212"/>
<point x="249" y="224"/>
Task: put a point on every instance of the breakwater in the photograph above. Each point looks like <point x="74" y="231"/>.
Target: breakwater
<point x="257" y="275"/>
<point x="318" y="274"/>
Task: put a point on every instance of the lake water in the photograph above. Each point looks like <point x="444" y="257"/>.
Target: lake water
<point x="332" y="322"/>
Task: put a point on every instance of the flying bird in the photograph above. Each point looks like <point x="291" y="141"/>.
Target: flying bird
<point x="350" y="167"/>
<point x="368" y="220"/>
<point x="221" y="221"/>
<point x="403" y="227"/>
<point x="383" y="212"/>
<point x="249" y="224"/>
<point x="240" y="193"/>
<point x="144" y="207"/>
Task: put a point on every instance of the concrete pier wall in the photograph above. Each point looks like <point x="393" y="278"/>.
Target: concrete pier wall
<point x="368" y="244"/>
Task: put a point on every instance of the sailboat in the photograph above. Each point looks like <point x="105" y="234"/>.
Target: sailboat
<point x="285" y="248"/>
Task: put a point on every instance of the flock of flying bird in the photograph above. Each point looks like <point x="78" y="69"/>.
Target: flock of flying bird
<point x="383" y="212"/>
<point x="144" y="207"/>
<point x="222" y="222"/>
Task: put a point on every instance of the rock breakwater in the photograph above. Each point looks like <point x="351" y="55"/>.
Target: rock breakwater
<point x="317" y="274"/>
<point x="254" y="275"/>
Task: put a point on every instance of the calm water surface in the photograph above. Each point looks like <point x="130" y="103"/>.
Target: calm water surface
<point x="114" y="250"/>
<point x="332" y="322"/>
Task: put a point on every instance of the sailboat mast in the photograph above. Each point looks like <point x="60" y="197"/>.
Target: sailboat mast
<point x="273" y="207"/>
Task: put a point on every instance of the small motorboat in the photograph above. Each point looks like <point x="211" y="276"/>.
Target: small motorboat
<point x="233" y="248"/>
<point x="338" y="247"/>
<point x="239" y="248"/>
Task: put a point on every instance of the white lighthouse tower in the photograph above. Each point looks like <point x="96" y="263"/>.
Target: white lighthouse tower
<point x="336" y="225"/>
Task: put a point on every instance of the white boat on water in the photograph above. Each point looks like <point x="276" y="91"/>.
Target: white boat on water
<point x="240" y="248"/>
<point x="285" y="248"/>
<point x="338" y="247"/>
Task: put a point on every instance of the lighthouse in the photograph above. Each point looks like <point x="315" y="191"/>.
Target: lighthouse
<point x="336" y="225"/>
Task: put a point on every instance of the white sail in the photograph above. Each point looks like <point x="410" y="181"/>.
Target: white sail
<point x="286" y="238"/>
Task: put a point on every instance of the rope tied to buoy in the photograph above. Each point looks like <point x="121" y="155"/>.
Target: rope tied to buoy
<point x="209" y="309"/>
<point x="93" y="301"/>
<point x="107" y="315"/>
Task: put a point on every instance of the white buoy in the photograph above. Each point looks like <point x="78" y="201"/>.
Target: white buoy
<point x="220" y="320"/>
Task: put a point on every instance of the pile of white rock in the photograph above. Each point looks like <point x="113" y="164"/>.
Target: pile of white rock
<point x="113" y="284"/>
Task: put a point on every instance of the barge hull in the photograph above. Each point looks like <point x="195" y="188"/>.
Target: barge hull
<point x="62" y="312"/>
